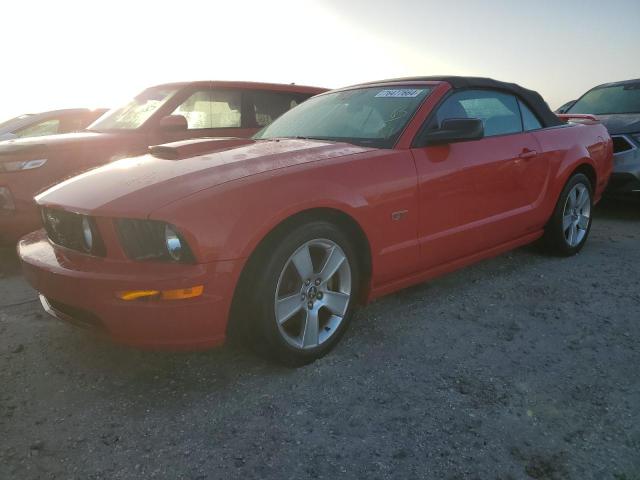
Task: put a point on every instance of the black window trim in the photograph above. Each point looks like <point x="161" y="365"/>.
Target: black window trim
<point x="520" y="100"/>
<point x="415" y="143"/>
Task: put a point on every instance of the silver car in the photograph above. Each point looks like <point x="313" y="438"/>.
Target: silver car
<point x="617" y="105"/>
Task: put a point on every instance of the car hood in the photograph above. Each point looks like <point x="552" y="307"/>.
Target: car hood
<point x="57" y="142"/>
<point x="135" y="187"/>
<point x="621" y="123"/>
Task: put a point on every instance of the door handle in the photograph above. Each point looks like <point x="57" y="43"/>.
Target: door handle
<point x="528" y="154"/>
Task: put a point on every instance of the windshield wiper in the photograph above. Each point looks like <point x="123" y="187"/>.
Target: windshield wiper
<point x="301" y="137"/>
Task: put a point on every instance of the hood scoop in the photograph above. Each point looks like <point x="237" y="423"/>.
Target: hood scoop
<point x="196" y="147"/>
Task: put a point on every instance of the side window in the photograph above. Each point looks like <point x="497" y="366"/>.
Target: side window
<point x="267" y="106"/>
<point x="48" y="127"/>
<point x="73" y="123"/>
<point x="498" y="111"/>
<point x="529" y="119"/>
<point x="212" y="109"/>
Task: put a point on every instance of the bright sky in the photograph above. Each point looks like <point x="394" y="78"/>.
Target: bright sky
<point x="68" y="53"/>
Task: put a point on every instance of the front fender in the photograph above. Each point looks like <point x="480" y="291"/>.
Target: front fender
<point x="377" y="189"/>
<point x="229" y="221"/>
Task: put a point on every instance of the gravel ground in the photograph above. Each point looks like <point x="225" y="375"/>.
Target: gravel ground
<point x="524" y="366"/>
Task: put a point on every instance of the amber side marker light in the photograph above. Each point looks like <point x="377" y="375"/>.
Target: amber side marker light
<point x="178" y="294"/>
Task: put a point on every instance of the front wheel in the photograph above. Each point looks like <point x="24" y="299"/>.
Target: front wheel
<point x="569" y="226"/>
<point x="306" y="295"/>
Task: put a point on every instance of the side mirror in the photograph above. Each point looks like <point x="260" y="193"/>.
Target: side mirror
<point x="456" y="130"/>
<point x="173" y="123"/>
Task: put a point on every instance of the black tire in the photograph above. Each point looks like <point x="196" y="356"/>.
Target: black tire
<point x="259" y="295"/>
<point x="555" y="236"/>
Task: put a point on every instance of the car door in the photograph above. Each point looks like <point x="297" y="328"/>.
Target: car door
<point x="473" y="194"/>
<point x="210" y="112"/>
<point x="536" y="172"/>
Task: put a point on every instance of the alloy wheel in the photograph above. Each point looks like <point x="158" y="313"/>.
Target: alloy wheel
<point x="313" y="294"/>
<point x="576" y="215"/>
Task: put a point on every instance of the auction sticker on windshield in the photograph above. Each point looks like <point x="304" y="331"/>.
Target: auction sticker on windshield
<point x="400" y="93"/>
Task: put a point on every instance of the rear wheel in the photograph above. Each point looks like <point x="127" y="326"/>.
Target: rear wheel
<point x="306" y="295"/>
<point x="569" y="226"/>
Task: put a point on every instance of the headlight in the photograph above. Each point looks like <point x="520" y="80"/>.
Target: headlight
<point x="87" y="234"/>
<point x="173" y="243"/>
<point x="6" y="200"/>
<point x="23" y="165"/>
<point x="152" y="240"/>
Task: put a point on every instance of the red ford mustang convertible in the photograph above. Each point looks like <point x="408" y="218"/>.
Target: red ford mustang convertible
<point x="353" y="194"/>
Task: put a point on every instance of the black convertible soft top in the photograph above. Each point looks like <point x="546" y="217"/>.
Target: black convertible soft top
<point x="532" y="98"/>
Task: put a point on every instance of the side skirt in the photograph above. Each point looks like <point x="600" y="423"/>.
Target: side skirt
<point x="423" y="276"/>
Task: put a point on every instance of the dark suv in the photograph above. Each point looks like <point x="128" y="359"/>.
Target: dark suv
<point x="617" y="105"/>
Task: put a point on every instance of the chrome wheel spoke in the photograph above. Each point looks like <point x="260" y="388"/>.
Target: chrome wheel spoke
<point x="583" y="198"/>
<point x="572" y="235"/>
<point x="335" y="259"/>
<point x="302" y="261"/>
<point x="287" y="307"/>
<point x="336" y="302"/>
<point x="583" y="222"/>
<point x="310" y="331"/>
<point x="567" y="221"/>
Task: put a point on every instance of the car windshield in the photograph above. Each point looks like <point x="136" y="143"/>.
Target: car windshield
<point x="135" y="113"/>
<point x="609" y="100"/>
<point x="368" y="116"/>
<point x="11" y="121"/>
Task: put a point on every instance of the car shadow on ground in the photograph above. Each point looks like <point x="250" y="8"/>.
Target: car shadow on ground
<point x="619" y="209"/>
<point x="9" y="262"/>
<point x="114" y="369"/>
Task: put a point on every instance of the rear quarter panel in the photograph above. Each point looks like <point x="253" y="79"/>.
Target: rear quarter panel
<point x="568" y="148"/>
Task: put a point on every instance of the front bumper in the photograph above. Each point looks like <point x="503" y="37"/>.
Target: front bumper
<point x="626" y="171"/>
<point x="81" y="289"/>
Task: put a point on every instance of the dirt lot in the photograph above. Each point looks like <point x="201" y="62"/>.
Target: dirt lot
<point x="524" y="366"/>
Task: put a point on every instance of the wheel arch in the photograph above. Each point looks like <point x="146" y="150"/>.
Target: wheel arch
<point x="585" y="166"/>
<point x="338" y="217"/>
<point x="588" y="170"/>
<point x="576" y="160"/>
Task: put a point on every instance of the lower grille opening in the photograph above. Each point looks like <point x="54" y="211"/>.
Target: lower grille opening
<point x="77" y="315"/>
<point x="621" y="144"/>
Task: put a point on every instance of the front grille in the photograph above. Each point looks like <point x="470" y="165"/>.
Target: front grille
<point x="621" y="144"/>
<point x="65" y="229"/>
